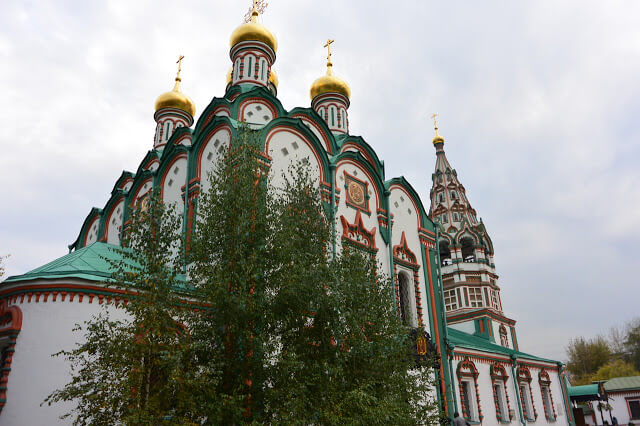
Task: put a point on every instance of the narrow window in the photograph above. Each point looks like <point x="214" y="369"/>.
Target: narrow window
<point x="634" y="408"/>
<point x="332" y="116"/>
<point x="262" y="67"/>
<point x="546" y="400"/>
<point x="501" y="407"/>
<point x="466" y="400"/>
<point x="406" y="307"/>
<point x="525" y="398"/>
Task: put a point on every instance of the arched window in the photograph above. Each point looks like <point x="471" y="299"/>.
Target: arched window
<point x="445" y="253"/>
<point x="526" y="395"/>
<point x="469" y="395"/>
<point x="467" y="249"/>
<point x="547" y="397"/>
<point x="263" y="68"/>
<point x="406" y="306"/>
<point x="499" y="377"/>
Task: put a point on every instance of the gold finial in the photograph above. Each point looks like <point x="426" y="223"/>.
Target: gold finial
<point x="435" y="122"/>
<point x="437" y="138"/>
<point x="329" y="63"/>
<point x="257" y="9"/>
<point x="179" y="62"/>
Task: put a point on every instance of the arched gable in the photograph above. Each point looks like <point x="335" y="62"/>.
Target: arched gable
<point x="358" y="144"/>
<point x="311" y="118"/>
<point x="152" y="157"/>
<point x="467" y="230"/>
<point x="256" y="110"/>
<point x="260" y="94"/>
<point x="203" y="143"/>
<point x="298" y="129"/>
<point x="112" y="218"/>
<point x="142" y="184"/>
<point x="218" y="107"/>
<point x="91" y="227"/>
<point x="400" y="183"/>
<point x="124" y="182"/>
<point x="169" y="165"/>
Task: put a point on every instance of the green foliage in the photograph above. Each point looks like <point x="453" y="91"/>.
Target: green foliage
<point x="616" y="368"/>
<point x="586" y="357"/>
<point x="273" y="329"/>
<point x="130" y="366"/>
<point x="632" y="343"/>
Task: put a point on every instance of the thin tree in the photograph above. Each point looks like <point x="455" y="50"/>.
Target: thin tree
<point x="130" y="365"/>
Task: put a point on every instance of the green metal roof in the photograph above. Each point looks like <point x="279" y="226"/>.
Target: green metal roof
<point x="622" y="383"/>
<point x="87" y="263"/>
<point x="584" y="391"/>
<point x="462" y="339"/>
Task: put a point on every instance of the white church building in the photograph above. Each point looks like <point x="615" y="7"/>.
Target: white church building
<point x="441" y="258"/>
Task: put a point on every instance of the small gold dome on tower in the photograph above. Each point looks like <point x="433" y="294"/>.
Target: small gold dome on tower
<point x="175" y="98"/>
<point x="329" y="83"/>
<point x="254" y="31"/>
<point x="229" y="75"/>
<point x="437" y="139"/>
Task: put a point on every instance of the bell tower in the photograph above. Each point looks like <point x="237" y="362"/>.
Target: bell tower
<point x="470" y="283"/>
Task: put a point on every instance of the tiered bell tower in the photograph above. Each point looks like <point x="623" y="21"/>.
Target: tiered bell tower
<point x="470" y="284"/>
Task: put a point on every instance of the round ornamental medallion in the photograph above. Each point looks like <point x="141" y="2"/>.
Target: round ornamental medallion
<point x="356" y="193"/>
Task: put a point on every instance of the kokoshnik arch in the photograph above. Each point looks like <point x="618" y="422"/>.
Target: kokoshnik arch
<point x="442" y="259"/>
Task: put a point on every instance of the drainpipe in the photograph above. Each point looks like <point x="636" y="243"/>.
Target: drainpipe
<point x="387" y="193"/>
<point x="515" y="385"/>
<point x="563" y="388"/>
<point x="453" y="393"/>
<point x="443" y="317"/>
<point x="333" y="208"/>
<point x="185" y="215"/>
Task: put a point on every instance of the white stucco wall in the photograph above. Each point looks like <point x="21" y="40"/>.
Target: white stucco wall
<point x="287" y="147"/>
<point x="211" y="153"/>
<point x="46" y="329"/>
<point x="487" y="404"/>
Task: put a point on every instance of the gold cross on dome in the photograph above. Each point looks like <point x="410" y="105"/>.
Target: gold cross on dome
<point x="328" y="46"/>
<point x="435" y="123"/>
<point x="179" y="62"/>
<point x="258" y="8"/>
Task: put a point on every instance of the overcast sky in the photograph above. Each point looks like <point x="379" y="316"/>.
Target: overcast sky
<point x="539" y="103"/>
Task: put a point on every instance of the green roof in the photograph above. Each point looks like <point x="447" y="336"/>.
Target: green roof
<point x="462" y="339"/>
<point x="87" y="263"/>
<point x="584" y="390"/>
<point x="622" y="383"/>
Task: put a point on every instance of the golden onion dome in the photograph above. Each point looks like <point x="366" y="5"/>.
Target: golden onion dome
<point x="175" y="98"/>
<point x="229" y="75"/>
<point x="329" y="83"/>
<point x="255" y="32"/>
<point x="437" y="139"/>
<point x="273" y="78"/>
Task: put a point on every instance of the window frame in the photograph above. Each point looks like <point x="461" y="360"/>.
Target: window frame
<point x="467" y="375"/>
<point x="629" y="400"/>
<point x="547" y="403"/>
